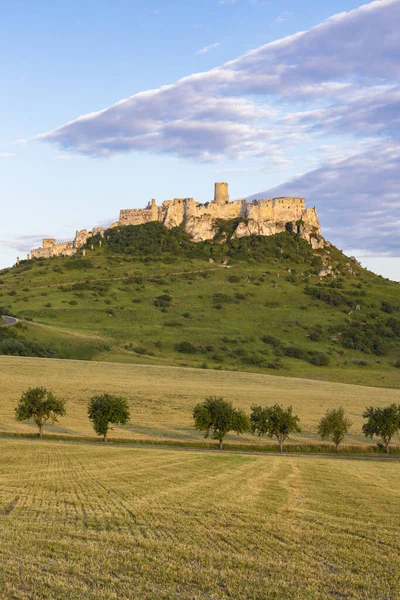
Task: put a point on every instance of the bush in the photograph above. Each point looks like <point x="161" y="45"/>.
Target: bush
<point x="234" y="279"/>
<point x="185" y="347"/>
<point x="79" y="263"/>
<point x="331" y="298"/>
<point x="271" y="340"/>
<point x="387" y="307"/>
<point x="163" y="301"/>
<point x="14" y="347"/>
<point x="221" y="298"/>
<point x="319" y="359"/>
<point x="316" y="334"/>
<point x="294" y="352"/>
<point x="140" y="350"/>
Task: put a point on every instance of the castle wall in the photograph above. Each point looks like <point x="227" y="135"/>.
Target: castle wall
<point x="61" y="249"/>
<point x="41" y="253"/>
<point x="48" y="243"/>
<point x="135" y="216"/>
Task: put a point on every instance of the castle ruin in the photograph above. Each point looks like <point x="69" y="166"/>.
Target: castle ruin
<point x="261" y="217"/>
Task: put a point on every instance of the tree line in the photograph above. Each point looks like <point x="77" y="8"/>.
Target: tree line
<point x="216" y="417"/>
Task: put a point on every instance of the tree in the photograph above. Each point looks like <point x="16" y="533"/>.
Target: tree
<point x="334" y="425"/>
<point x="40" y="405"/>
<point x="105" y="409"/>
<point x="274" y="421"/>
<point x="382" y="422"/>
<point x="217" y="416"/>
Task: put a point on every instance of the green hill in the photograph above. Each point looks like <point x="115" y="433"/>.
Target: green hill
<point x="146" y="294"/>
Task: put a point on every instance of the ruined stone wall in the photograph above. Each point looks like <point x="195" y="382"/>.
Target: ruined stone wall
<point x="48" y="243"/>
<point x="61" y="249"/>
<point x="41" y="253"/>
<point x="260" y="217"/>
<point x="135" y="216"/>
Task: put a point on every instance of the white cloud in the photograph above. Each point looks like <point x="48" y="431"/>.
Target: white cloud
<point x="208" y="48"/>
<point x="283" y="17"/>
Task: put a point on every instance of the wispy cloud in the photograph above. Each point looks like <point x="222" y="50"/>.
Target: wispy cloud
<point x="283" y="17"/>
<point x="208" y="48"/>
<point x="6" y="154"/>
<point x="348" y="65"/>
<point x="24" y="243"/>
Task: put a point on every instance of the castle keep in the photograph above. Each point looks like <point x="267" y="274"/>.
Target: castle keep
<point x="262" y="217"/>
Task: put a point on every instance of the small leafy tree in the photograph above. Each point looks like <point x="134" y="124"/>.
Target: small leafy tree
<point x="274" y="421"/>
<point x="382" y="422"/>
<point x="40" y="405"/>
<point x="217" y="416"/>
<point x="334" y="426"/>
<point x="104" y="410"/>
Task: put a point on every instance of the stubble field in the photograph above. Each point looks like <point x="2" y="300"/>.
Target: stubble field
<point x="80" y="522"/>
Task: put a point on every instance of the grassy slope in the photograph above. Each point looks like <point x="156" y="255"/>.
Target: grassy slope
<point x="162" y="398"/>
<point x="84" y="522"/>
<point x="122" y="324"/>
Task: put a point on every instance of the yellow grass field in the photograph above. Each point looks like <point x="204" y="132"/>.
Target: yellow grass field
<point x="162" y="398"/>
<point x="83" y="521"/>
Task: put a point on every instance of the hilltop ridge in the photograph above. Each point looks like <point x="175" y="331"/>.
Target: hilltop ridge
<point x="149" y="294"/>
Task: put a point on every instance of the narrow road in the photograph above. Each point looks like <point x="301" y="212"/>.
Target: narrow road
<point x="7" y="321"/>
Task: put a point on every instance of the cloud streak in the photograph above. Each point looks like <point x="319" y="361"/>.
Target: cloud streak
<point x="208" y="48"/>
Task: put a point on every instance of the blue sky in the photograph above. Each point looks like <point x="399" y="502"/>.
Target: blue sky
<point x="105" y="105"/>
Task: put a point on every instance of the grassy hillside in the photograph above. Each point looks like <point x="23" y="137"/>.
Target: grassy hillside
<point x="82" y="522"/>
<point x="161" y="399"/>
<point x="150" y="295"/>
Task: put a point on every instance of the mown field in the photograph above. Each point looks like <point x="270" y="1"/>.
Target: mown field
<point x="269" y="313"/>
<point x="80" y="522"/>
<point x="161" y="398"/>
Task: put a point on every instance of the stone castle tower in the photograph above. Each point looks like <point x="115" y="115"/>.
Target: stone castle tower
<point x="221" y="194"/>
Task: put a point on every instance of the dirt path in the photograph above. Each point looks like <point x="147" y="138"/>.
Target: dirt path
<point x="50" y="285"/>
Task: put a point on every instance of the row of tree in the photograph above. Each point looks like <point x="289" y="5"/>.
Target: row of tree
<point x="42" y="406"/>
<point x="215" y="417"/>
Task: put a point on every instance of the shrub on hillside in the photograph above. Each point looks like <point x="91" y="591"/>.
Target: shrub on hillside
<point x="186" y="347"/>
<point x="21" y="347"/>
<point x="78" y="263"/>
<point x="234" y="279"/>
<point x="319" y="359"/>
<point x="271" y="340"/>
<point x="163" y="301"/>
